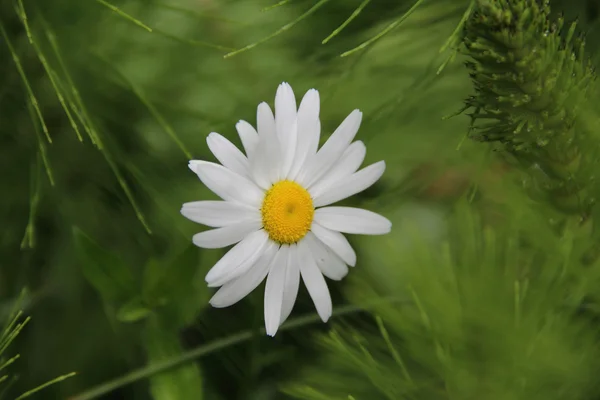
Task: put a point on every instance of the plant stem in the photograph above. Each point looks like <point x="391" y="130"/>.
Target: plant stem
<point x="201" y="351"/>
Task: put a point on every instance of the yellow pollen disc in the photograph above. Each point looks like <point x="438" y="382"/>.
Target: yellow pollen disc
<point x="287" y="212"/>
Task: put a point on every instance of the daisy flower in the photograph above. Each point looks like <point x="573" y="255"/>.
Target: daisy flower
<point x="275" y="206"/>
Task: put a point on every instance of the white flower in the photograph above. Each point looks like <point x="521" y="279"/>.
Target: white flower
<point x="270" y="208"/>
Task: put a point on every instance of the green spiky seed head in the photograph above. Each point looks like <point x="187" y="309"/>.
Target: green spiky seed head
<point x="531" y="81"/>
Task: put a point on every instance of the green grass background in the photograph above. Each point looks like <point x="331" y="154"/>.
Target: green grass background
<point x="127" y="92"/>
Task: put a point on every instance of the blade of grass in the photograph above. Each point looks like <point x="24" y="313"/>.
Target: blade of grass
<point x="42" y="151"/>
<point x="279" y="4"/>
<point x="280" y="30"/>
<point x="8" y="386"/>
<point x="13" y="334"/>
<point x="156" y="196"/>
<point x="32" y="97"/>
<point x="204" y="350"/>
<point x="9" y="361"/>
<point x="123" y="14"/>
<point x="454" y="38"/>
<point x="155" y="113"/>
<point x="91" y="129"/>
<point x="77" y="103"/>
<point x="194" y="13"/>
<point x="192" y="42"/>
<point x="35" y="187"/>
<point x="392" y="349"/>
<point x="384" y="32"/>
<point x="45" y="385"/>
<point x="52" y="76"/>
<point x="346" y="22"/>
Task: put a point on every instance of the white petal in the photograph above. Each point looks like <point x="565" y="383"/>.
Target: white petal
<point x="265" y="164"/>
<point x="248" y="136"/>
<point x="336" y="242"/>
<point x="292" y="283"/>
<point x="219" y="213"/>
<point x="238" y="288"/>
<point x="315" y="283"/>
<point x="348" y="164"/>
<point x="353" y="184"/>
<point x="227" y="184"/>
<point x="226" y="236"/>
<point x="352" y="220"/>
<point x="238" y="259"/>
<point x="333" y="148"/>
<point x="332" y="266"/>
<point x="309" y="130"/>
<point x="285" y="121"/>
<point x="193" y="165"/>
<point x="228" y="155"/>
<point x="274" y="291"/>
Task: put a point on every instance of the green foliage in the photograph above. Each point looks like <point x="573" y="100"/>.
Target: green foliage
<point x="485" y="315"/>
<point x="169" y="299"/>
<point x="532" y="83"/>
<point x="109" y="275"/>
<point x="486" y="288"/>
<point x="13" y="326"/>
<point x="161" y="342"/>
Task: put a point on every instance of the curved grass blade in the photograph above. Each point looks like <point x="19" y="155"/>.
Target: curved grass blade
<point x="32" y="98"/>
<point x="155" y="113"/>
<point x="90" y="128"/>
<point x="45" y="385"/>
<point x="194" y="13"/>
<point x="279" y="4"/>
<point x="280" y="30"/>
<point x="204" y="350"/>
<point x="193" y="42"/>
<point x="35" y="188"/>
<point x="123" y="14"/>
<point x="346" y="22"/>
<point x="51" y="74"/>
<point x="384" y="32"/>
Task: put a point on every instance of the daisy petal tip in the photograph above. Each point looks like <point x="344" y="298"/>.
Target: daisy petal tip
<point x="213" y="283"/>
<point x="210" y="277"/>
<point x="271" y="333"/>
<point x="313" y="93"/>
<point x="192" y="164"/>
<point x="325" y="315"/>
<point x="217" y="302"/>
<point x="183" y="210"/>
<point x="380" y="166"/>
<point x="212" y="136"/>
<point x="384" y="226"/>
<point x="271" y="327"/>
<point x="264" y="107"/>
<point x="387" y="228"/>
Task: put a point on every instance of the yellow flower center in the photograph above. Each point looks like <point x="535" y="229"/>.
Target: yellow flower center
<point x="287" y="212"/>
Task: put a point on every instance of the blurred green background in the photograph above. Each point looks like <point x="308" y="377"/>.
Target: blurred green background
<point x="129" y="90"/>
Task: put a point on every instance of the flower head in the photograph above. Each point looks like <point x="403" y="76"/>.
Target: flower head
<point x="274" y="206"/>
